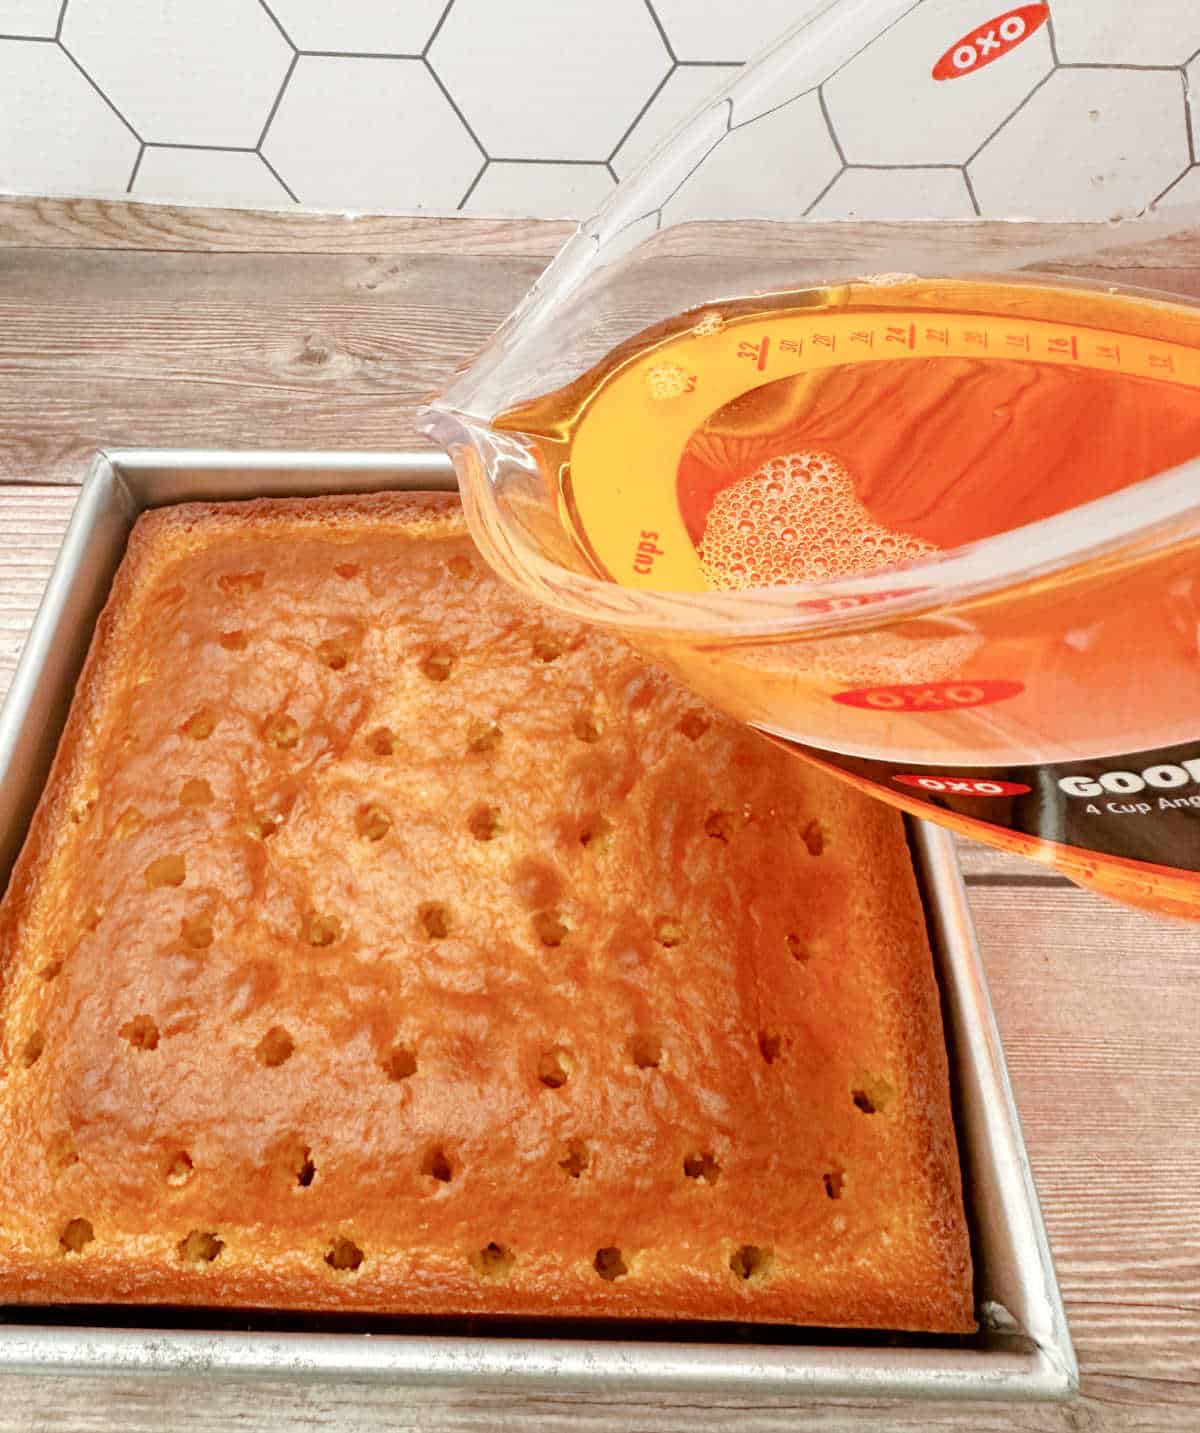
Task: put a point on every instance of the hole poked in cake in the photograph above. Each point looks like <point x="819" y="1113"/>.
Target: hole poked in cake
<point x="262" y="825"/>
<point x="201" y="724"/>
<point x="76" y="1235"/>
<point x="347" y="570"/>
<point x="585" y="728"/>
<point x="334" y="653"/>
<point x="400" y="1063"/>
<point x="555" y="1067"/>
<point x="435" y="1165"/>
<point x="197" y="931"/>
<point x="438" y="663"/>
<point x="551" y="928"/>
<point x="576" y="1159"/>
<point x="646" y="1051"/>
<point x="62" y="1152"/>
<point x="702" y="1167"/>
<point x="51" y="970"/>
<point x="166" y="871"/>
<point x="282" y="731"/>
<point x="460" y="566"/>
<point x="834" y="1180"/>
<point x="610" y="1263"/>
<point x="595" y="835"/>
<point x="80" y="813"/>
<point x="796" y="947"/>
<point x="200" y="1246"/>
<point x="484" y="822"/>
<point x="668" y="932"/>
<point x="770" y="1045"/>
<point x="195" y="792"/>
<point x="483" y="737"/>
<point x="233" y="641"/>
<point x="320" y="930"/>
<point x="275" y="1048"/>
<point x="179" y="1168"/>
<point x="31" y="1050"/>
<point x="433" y="917"/>
<point x="303" y="1168"/>
<point x="343" y="1255"/>
<point x="813" y="836"/>
<point x="141" y="1032"/>
<point x="372" y="822"/>
<point x="382" y="741"/>
<point x="693" y="725"/>
<point x="237" y="584"/>
<point x="719" y="825"/>
<point x="546" y="649"/>
<point x="494" y="1261"/>
<point x="750" y="1261"/>
<point x="872" y="1094"/>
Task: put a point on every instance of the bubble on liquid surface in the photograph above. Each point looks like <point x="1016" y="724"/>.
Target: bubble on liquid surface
<point x="797" y="518"/>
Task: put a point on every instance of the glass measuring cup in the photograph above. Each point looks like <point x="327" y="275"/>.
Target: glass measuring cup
<point x="997" y="631"/>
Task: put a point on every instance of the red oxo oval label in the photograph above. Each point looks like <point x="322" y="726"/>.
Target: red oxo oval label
<point x="930" y="696"/>
<point x="990" y="41"/>
<point x="963" y="785"/>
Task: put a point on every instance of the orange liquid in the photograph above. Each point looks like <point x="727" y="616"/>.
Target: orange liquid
<point x="1004" y="405"/>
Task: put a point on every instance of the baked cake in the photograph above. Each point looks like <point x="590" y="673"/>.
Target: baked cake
<point x="384" y="943"/>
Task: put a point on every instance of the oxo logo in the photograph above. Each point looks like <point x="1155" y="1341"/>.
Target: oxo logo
<point x="991" y="41"/>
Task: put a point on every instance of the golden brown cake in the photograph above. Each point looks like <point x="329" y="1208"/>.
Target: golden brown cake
<point x="384" y="943"/>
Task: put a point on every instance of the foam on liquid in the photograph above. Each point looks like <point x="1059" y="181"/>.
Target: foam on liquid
<point x="797" y="518"/>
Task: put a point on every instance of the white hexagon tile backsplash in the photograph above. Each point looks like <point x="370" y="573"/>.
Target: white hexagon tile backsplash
<point x="539" y="107"/>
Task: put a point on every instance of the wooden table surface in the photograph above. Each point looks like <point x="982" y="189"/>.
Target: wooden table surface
<point x="131" y="325"/>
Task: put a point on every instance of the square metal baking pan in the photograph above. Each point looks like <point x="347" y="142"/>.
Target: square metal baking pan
<point x="1023" y="1349"/>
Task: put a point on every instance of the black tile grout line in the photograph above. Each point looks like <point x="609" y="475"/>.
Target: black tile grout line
<point x="711" y="64"/>
<point x="279" y="179"/>
<point x="278" y="100"/>
<point x="62" y="15"/>
<point x="214" y="148"/>
<point x="32" y="39"/>
<point x="474" y="182"/>
<point x="1053" y="38"/>
<point x="453" y="103"/>
<point x="137" y="164"/>
<point x="916" y="5"/>
<point x="728" y="104"/>
<point x="837" y="143"/>
<point x="822" y="194"/>
<point x="903" y="166"/>
<point x="1179" y="178"/>
<point x="274" y="19"/>
<point x="1012" y="114"/>
<point x="578" y="163"/>
<point x="775" y="108"/>
<point x="1137" y="69"/>
<point x="437" y="29"/>
<point x="100" y="92"/>
<point x="637" y="119"/>
<point x="360" y="55"/>
<point x="1187" y="113"/>
<point x="662" y="32"/>
<point x="612" y="173"/>
<point x="971" y="191"/>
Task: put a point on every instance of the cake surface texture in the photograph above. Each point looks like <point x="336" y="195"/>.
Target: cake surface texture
<point x="384" y="943"/>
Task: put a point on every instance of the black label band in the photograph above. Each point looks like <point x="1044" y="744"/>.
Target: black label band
<point x="1139" y="806"/>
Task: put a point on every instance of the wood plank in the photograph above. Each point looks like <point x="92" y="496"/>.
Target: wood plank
<point x="227" y="350"/>
<point x="57" y="223"/>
